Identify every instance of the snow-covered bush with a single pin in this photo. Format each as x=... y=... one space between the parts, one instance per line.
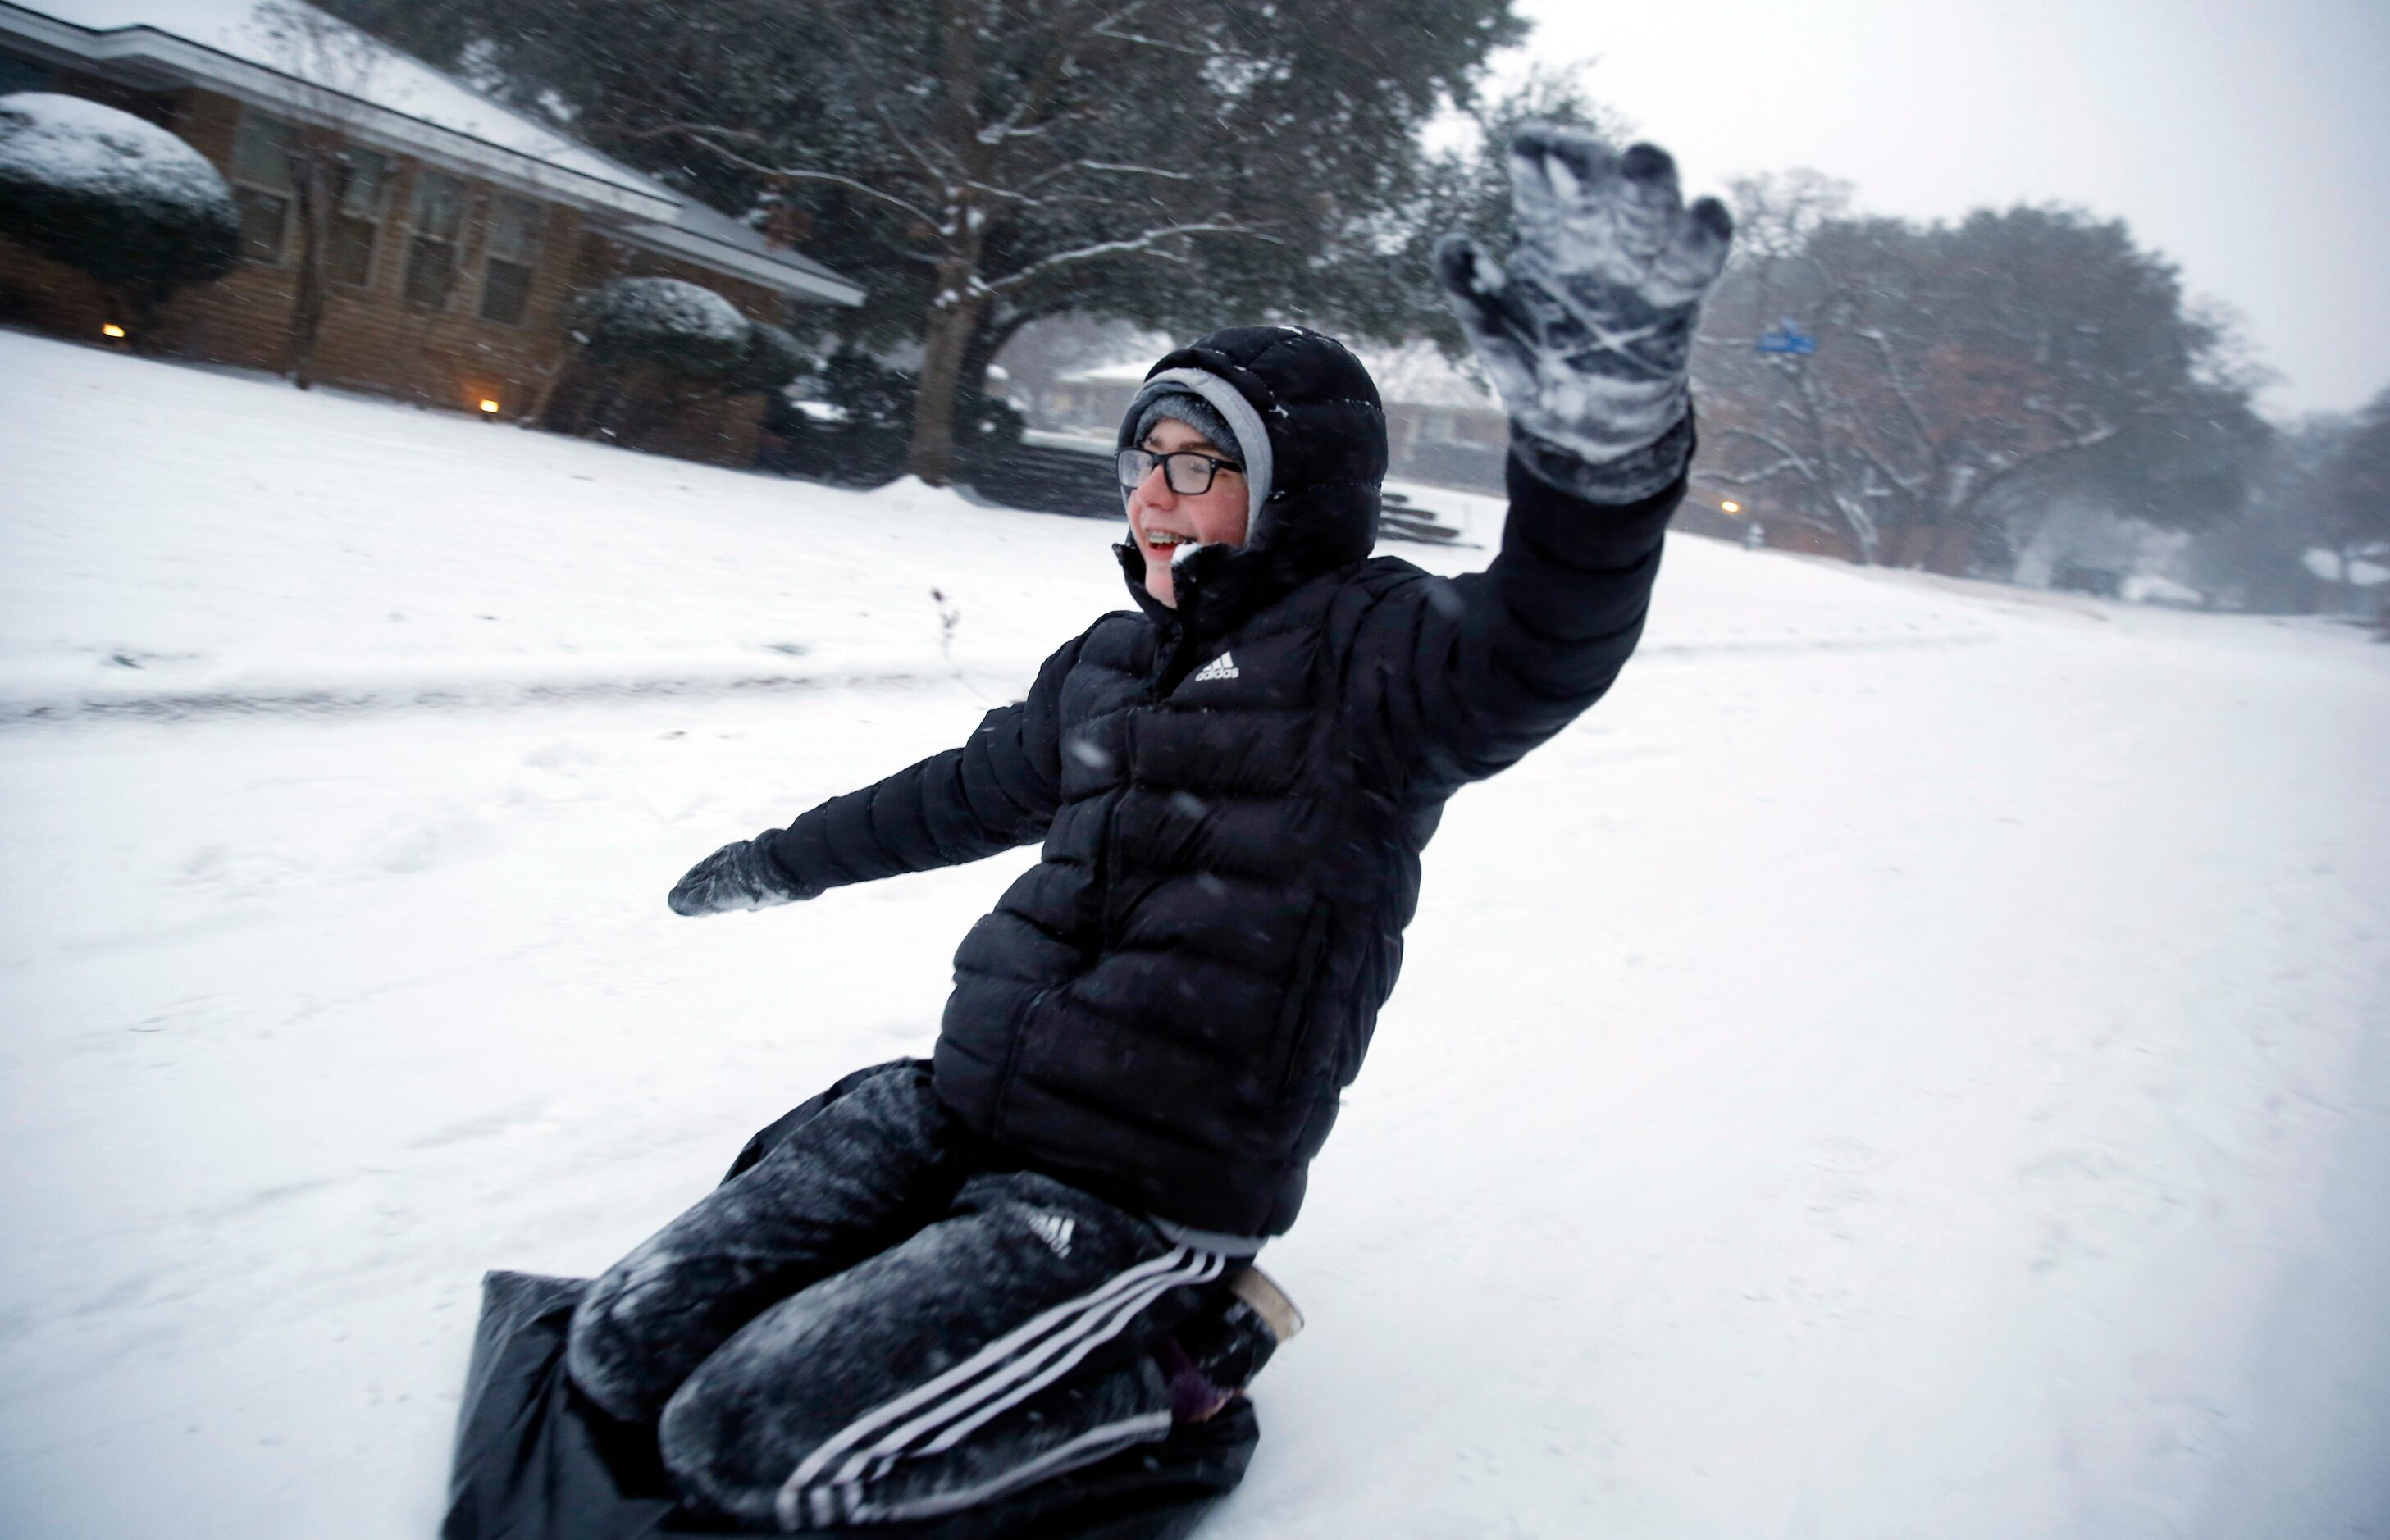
x=772 y=358
x=655 y=350
x=114 y=197
x=850 y=422
x=664 y=324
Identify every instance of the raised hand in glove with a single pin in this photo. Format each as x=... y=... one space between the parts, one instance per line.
x=1587 y=329
x=738 y=876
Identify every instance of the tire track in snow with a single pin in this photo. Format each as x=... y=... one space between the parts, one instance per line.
x=370 y=700
x=333 y=701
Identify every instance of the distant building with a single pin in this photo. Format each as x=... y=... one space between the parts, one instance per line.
x=1445 y=427
x=1442 y=425
x=462 y=235
x=2350 y=586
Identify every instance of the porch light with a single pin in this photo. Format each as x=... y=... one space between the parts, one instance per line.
x=112 y=329
x=489 y=406
x=1730 y=506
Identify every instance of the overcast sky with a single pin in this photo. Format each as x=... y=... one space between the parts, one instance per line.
x=2249 y=142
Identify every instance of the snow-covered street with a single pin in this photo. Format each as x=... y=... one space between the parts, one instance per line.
x=1914 y=1061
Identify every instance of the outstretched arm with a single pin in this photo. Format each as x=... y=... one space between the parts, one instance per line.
x=1457 y=678
x=1587 y=333
x=999 y=790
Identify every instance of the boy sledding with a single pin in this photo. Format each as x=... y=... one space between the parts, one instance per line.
x=962 y=1282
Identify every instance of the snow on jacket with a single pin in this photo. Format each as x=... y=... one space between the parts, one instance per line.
x=1233 y=796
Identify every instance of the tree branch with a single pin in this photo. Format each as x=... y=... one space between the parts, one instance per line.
x=1061 y=64
x=1130 y=247
x=1750 y=478
x=1787 y=458
x=1900 y=389
x=868 y=90
x=706 y=135
x=1111 y=167
x=2020 y=467
x=1209 y=52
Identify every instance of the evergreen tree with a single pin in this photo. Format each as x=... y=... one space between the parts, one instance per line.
x=988 y=162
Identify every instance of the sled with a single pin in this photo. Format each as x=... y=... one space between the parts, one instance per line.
x=536 y=1459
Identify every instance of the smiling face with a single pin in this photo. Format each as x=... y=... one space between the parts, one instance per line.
x=1160 y=521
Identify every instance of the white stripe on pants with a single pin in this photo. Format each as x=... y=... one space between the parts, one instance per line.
x=941 y=1413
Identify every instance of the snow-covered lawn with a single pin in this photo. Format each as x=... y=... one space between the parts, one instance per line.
x=1912 y=1063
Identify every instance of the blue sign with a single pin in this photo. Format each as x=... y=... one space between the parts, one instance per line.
x=1787 y=338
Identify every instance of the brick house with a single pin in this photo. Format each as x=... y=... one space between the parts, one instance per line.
x=461 y=232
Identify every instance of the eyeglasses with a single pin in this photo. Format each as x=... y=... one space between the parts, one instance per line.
x=1189 y=473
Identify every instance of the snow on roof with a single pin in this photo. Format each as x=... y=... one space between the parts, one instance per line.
x=2361 y=573
x=2157 y=588
x=1130 y=373
x=1409 y=374
x=1417 y=374
x=699 y=223
x=351 y=63
x=300 y=47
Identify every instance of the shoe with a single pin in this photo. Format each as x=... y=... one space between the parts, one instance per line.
x=1217 y=1353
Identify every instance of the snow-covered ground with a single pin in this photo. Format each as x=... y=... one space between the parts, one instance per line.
x=1912 y=1063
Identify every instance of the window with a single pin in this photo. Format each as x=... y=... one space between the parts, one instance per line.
x=261 y=169
x=263 y=221
x=514 y=256
x=261 y=152
x=357 y=215
x=437 y=219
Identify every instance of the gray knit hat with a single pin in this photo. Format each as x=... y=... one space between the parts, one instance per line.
x=1196 y=412
x=1212 y=407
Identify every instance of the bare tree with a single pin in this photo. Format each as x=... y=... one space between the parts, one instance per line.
x=1775 y=215
x=331 y=175
x=1933 y=384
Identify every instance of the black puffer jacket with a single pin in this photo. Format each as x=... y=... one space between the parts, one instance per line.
x=1233 y=797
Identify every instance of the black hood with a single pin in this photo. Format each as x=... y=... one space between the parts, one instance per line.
x=1326 y=434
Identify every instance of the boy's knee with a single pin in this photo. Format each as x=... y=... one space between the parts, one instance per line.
x=604 y=1359
x=630 y=1343
x=730 y=1436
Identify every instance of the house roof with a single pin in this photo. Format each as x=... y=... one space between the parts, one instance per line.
x=326 y=71
x=1415 y=374
x=708 y=236
x=1111 y=374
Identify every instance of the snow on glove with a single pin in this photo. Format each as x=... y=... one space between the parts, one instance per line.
x=1588 y=329
x=738 y=876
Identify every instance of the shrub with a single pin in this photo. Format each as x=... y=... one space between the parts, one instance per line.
x=663 y=323
x=867 y=442
x=994 y=426
x=114 y=197
x=772 y=358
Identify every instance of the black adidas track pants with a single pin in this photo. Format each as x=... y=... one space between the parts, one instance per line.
x=868 y=1326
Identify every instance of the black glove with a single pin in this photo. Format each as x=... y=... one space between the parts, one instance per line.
x=1587 y=329
x=738 y=876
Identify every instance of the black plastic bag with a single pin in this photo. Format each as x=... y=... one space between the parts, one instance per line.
x=536 y=1460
